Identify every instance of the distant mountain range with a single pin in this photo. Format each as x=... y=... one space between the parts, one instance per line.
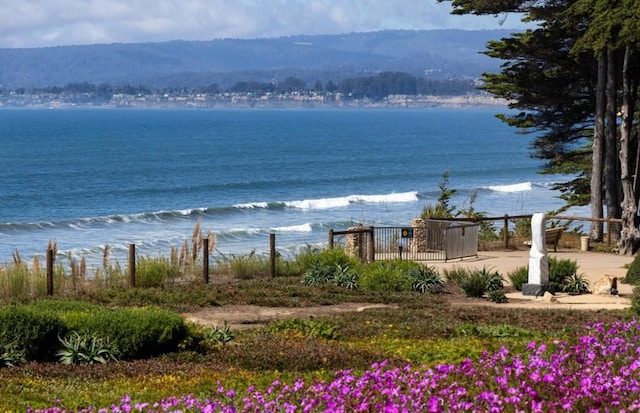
x=433 y=54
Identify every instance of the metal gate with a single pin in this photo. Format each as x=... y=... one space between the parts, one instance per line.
x=431 y=240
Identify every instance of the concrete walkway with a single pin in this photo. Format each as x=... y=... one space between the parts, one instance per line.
x=591 y=265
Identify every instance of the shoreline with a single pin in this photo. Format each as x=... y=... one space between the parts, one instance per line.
x=247 y=101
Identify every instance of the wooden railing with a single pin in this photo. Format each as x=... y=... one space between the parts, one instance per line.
x=610 y=223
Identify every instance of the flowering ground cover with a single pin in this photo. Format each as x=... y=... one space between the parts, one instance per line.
x=597 y=371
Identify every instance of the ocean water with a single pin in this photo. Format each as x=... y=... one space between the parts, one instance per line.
x=91 y=177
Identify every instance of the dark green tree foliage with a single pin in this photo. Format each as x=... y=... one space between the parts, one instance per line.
x=291 y=84
x=254 y=87
x=553 y=92
x=556 y=75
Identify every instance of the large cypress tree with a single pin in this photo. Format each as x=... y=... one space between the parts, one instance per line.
x=570 y=77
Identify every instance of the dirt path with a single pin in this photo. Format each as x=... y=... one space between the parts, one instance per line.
x=239 y=317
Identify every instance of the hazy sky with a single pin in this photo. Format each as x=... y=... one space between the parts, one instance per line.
x=35 y=23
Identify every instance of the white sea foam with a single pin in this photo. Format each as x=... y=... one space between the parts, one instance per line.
x=521 y=187
x=252 y=205
x=339 y=202
x=295 y=228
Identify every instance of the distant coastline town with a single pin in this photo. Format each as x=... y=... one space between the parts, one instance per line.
x=242 y=100
x=384 y=90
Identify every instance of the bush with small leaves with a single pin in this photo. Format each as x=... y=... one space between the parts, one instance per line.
x=497 y=296
x=205 y=339
x=635 y=301
x=31 y=329
x=633 y=272
x=560 y=270
x=474 y=285
x=494 y=279
x=518 y=277
x=305 y=328
x=337 y=256
x=391 y=276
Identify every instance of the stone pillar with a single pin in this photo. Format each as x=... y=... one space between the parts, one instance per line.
x=538 y=262
x=419 y=241
x=353 y=243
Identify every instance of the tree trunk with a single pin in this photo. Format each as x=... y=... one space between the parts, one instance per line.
x=611 y=171
x=598 y=151
x=629 y=235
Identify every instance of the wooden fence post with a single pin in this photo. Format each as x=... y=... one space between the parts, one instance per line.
x=331 y=239
x=50 y=260
x=132 y=265
x=609 y=231
x=506 y=231
x=205 y=260
x=272 y=255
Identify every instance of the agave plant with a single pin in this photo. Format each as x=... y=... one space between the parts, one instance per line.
x=12 y=356
x=86 y=348
x=345 y=276
x=576 y=284
x=426 y=280
x=318 y=274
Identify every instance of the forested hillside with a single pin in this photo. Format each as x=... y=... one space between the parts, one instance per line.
x=436 y=54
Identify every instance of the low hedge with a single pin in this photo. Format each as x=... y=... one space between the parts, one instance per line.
x=137 y=332
x=31 y=330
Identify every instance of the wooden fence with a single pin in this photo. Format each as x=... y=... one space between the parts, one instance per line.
x=50 y=262
x=613 y=225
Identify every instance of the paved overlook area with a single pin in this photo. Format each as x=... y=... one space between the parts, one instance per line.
x=592 y=265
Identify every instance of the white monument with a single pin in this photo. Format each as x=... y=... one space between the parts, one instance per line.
x=538 y=263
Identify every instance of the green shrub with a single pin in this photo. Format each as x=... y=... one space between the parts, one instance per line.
x=391 y=276
x=518 y=277
x=494 y=282
x=426 y=280
x=29 y=329
x=154 y=272
x=337 y=256
x=474 y=285
x=497 y=296
x=305 y=328
x=288 y=268
x=457 y=274
x=560 y=270
x=332 y=266
x=633 y=272
x=306 y=256
x=635 y=301
x=138 y=332
x=205 y=339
